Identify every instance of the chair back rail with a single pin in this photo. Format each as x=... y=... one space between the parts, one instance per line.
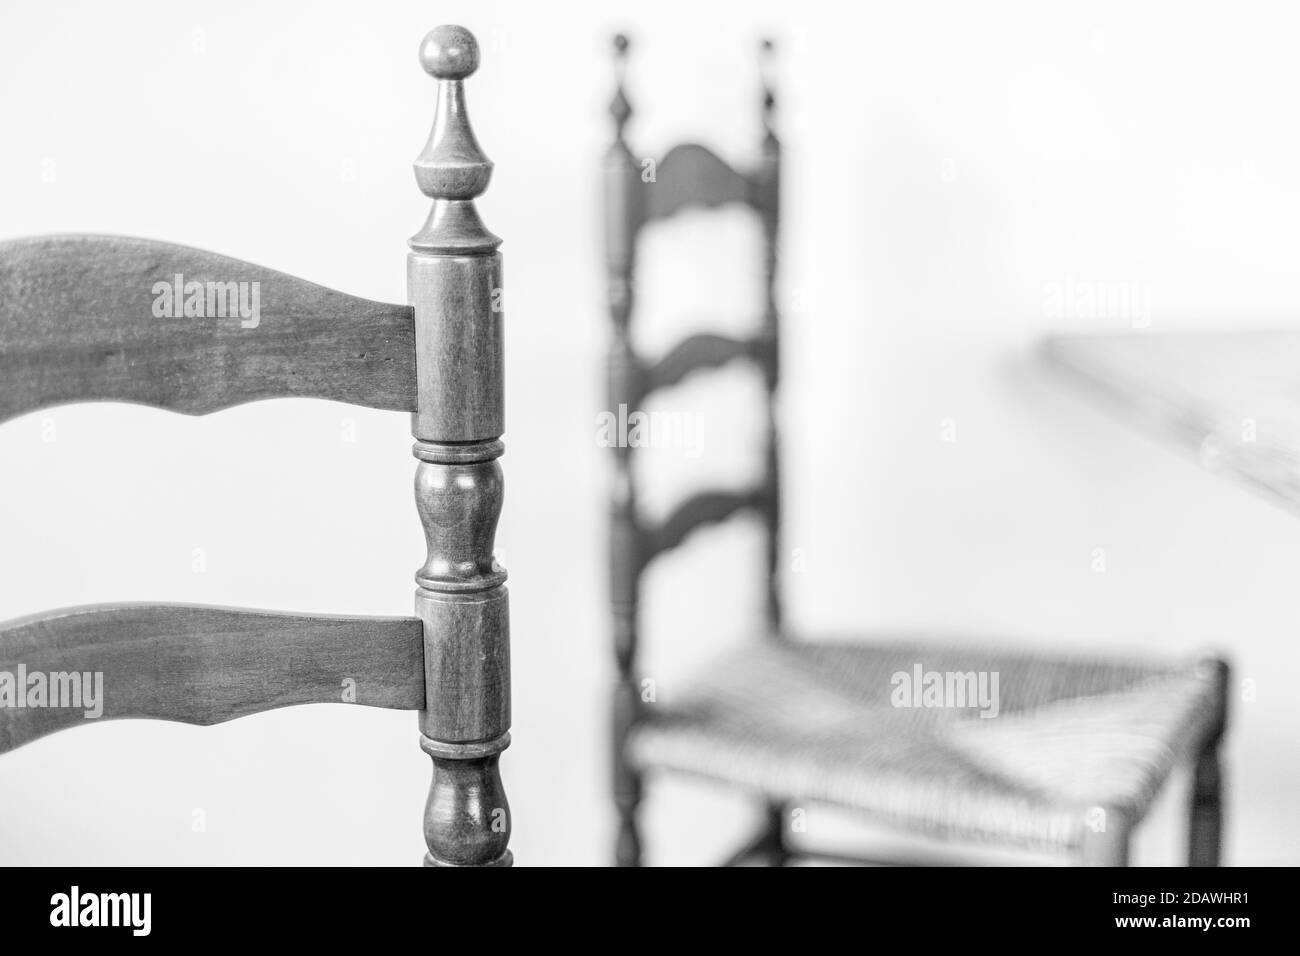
x=109 y=318
x=698 y=511
x=197 y=665
x=693 y=175
x=699 y=352
x=689 y=175
x=97 y=318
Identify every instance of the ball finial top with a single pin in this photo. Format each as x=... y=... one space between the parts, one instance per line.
x=449 y=53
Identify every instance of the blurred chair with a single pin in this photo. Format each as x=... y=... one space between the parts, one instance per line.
x=892 y=728
x=85 y=318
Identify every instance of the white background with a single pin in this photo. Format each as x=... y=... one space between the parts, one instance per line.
x=949 y=167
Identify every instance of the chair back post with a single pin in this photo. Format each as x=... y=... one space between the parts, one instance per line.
x=454 y=287
x=623 y=216
x=687 y=175
x=767 y=190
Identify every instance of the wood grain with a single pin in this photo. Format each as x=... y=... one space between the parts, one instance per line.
x=78 y=323
x=454 y=285
x=204 y=665
x=461 y=364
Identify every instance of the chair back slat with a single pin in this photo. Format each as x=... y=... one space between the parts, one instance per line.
x=108 y=318
x=197 y=665
x=693 y=175
x=698 y=511
x=699 y=352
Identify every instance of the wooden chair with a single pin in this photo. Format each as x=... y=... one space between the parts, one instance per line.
x=103 y=318
x=1081 y=745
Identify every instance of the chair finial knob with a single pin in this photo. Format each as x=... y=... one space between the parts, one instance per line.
x=449 y=52
x=766 y=53
x=452 y=168
x=619 y=107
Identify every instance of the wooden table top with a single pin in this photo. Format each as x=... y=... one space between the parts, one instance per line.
x=1232 y=398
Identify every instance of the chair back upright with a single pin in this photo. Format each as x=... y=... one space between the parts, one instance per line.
x=688 y=175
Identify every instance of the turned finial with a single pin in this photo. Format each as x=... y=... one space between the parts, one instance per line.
x=452 y=165
x=452 y=169
x=620 y=108
x=766 y=53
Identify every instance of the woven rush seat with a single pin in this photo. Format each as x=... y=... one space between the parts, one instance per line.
x=1072 y=738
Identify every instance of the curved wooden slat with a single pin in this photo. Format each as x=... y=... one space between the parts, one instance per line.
x=698 y=352
x=694 y=175
x=707 y=508
x=86 y=318
x=200 y=665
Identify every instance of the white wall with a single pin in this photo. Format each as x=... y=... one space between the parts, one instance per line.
x=949 y=167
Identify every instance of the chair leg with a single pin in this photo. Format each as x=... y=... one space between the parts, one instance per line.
x=1205 y=824
x=627 y=778
x=1205 y=810
x=778 y=850
x=1106 y=837
x=769 y=847
x=627 y=845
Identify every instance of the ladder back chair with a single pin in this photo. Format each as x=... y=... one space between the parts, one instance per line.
x=81 y=320
x=1080 y=745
